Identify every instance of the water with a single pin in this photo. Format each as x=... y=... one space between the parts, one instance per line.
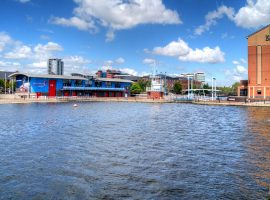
x=134 y=151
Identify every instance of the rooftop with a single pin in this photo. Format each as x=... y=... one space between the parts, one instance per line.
x=48 y=76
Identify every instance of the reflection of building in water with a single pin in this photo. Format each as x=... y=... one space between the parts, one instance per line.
x=258 y=144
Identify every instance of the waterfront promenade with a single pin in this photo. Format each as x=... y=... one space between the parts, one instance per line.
x=10 y=99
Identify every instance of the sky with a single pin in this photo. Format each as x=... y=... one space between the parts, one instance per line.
x=175 y=36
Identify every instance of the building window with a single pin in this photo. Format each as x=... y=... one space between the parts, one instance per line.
x=97 y=84
x=108 y=84
x=118 y=85
x=259 y=92
x=78 y=83
x=67 y=82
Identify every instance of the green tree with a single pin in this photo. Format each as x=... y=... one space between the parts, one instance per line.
x=206 y=86
x=2 y=83
x=235 y=88
x=135 y=88
x=143 y=84
x=177 y=88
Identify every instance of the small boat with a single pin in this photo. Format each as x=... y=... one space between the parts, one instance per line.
x=75 y=105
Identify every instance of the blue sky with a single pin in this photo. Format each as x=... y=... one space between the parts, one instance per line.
x=180 y=36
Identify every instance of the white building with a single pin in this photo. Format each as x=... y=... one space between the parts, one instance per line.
x=55 y=66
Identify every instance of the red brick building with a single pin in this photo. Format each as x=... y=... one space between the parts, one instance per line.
x=259 y=63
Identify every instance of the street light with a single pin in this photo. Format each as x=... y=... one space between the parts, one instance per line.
x=214 y=88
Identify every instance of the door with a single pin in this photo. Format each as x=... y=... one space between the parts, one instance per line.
x=52 y=88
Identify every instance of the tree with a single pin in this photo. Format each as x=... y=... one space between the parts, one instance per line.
x=143 y=84
x=235 y=88
x=177 y=88
x=206 y=86
x=135 y=88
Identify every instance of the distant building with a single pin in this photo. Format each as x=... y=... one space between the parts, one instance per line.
x=5 y=75
x=55 y=66
x=198 y=76
x=110 y=73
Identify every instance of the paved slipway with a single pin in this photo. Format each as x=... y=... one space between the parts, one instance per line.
x=123 y=99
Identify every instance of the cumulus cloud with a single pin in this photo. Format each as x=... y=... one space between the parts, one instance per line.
x=20 y=52
x=107 y=64
x=120 y=60
x=118 y=15
x=76 y=64
x=174 y=48
x=181 y=50
x=15 y=55
x=76 y=22
x=235 y=62
x=205 y=55
x=254 y=14
x=10 y=66
x=211 y=18
x=129 y=71
x=5 y=40
x=240 y=69
x=238 y=72
x=149 y=61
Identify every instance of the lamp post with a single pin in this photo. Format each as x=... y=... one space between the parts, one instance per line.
x=165 y=90
x=188 y=86
x=28 y=87
x=212 y=88
x=215 y=88
x=5 y=83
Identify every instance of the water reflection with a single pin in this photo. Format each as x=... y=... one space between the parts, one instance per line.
x=258 y=145
x=134 y=151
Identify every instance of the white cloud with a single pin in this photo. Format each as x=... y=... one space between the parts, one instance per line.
x=149 y=61
x=108 y=63
x=5 y=39
x=43 y=52
x=20 y=52
x=205 y=55
x=10 y=66
x=174 y=48
x=120 y=60
x=49 y=47
x=181 y=50
x=45 y=37
x=237 y=73
x=254 y=14
x=76 y=22
x=211 y=18
x=76 y=64
x=235 y=62
x=240 y=70
x=41 y=64
x=31 y=57
x=24 y=1
x=118 y=15
x=243 y=60
x=237 y=78
x=129 y=71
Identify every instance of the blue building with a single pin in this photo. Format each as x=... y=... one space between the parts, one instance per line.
x=59 y=85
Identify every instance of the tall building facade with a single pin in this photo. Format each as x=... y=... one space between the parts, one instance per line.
x=55 y=66
x=259 y=63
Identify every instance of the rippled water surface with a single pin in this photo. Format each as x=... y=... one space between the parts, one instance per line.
x=134 y=151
